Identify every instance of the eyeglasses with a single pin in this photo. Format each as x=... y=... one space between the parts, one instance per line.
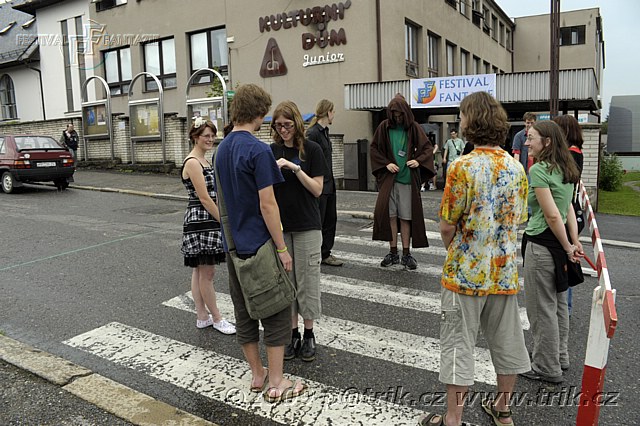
x=280 y=126
x=530 y=138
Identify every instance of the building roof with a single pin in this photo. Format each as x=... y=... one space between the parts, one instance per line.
x=18 y=35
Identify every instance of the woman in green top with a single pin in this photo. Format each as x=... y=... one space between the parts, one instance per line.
x=549 y=243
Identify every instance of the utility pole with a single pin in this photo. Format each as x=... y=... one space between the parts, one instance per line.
x=554 y=60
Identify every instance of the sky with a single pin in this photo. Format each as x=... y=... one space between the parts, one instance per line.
x=621 y=34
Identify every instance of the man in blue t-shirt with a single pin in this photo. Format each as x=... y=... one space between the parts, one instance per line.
x=247 y=171
x=519 y=150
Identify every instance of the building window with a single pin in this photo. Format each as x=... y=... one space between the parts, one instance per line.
x=487 y=67
x=411 y=49
x=570 y=36
x=160 y=60
x=476 y=15
x=494 y=27
x=451 y=54
x=451 y=3
x=464 y=59
x=117 y=66
x=434 y=42
x=209 y=50
x=485 y=22
x=494 y=70
x=8 y=107
x=501 y=34
x=476 y=65
x=463 y=7
x=108 y=4
x=508 y=37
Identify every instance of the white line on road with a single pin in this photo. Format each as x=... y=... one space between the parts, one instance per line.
x=226 y=379
x=394 y=346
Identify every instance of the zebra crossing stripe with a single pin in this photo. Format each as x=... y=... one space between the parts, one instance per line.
x=367 y=241
x=401 y=297
x=394 y=346
x=226 y=379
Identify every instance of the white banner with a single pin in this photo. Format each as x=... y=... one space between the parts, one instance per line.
x=449 y=91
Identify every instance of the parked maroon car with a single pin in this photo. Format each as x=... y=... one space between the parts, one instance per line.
x=31 y=158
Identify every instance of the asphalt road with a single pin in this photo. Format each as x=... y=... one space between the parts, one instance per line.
x=84 y=262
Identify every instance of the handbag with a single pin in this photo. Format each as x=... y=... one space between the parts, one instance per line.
x=265 y=285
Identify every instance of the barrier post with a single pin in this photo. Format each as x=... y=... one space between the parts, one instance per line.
x=602 y=325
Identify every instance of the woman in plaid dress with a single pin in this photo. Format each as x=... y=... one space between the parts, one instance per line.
x=201 y=237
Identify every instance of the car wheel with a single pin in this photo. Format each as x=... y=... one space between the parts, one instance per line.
x=7 y=182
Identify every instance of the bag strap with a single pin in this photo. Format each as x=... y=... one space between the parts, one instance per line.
x=222 y=208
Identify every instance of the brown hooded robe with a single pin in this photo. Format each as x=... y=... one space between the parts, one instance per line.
x=419 y=148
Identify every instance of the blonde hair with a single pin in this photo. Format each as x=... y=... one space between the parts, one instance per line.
x=322 y=110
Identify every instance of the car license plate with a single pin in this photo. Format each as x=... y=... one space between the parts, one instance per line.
x=47 y=164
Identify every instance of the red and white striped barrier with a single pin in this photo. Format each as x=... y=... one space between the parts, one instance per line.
x=602 y=325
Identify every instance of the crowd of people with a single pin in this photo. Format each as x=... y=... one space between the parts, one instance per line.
x=286 y=192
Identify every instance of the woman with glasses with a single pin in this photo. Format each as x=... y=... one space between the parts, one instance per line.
x=201 y=238
x=302 y=165
x=550 y=242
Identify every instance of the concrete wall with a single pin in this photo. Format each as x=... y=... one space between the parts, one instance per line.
x=26 y=85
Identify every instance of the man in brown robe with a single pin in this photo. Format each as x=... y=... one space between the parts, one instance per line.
x=401 y=158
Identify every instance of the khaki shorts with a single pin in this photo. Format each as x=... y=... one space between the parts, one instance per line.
x=497 y=315
x=400 y=201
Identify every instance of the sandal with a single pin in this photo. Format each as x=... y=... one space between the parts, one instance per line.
x=265 y=381
x=285 y=394
x=427 y=419
x=495 y=414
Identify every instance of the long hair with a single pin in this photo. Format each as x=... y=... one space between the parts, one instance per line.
x=486 y=119
x=322 y=110
x=571 y=128
x=290 y=111
x=556 y=154
x=194 y=131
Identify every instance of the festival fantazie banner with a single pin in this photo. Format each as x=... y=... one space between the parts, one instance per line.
x=449 y=91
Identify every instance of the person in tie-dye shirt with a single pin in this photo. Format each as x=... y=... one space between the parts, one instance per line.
x=484 y=202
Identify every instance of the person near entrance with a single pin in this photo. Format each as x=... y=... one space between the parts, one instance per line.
x=453 y=149
x=70 y=139
x=400 y=154
x=519 y=149
x=318 y=132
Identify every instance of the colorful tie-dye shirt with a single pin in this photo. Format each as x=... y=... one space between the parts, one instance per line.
x=486 y=198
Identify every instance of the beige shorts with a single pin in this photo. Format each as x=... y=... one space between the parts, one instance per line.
x=497 y=315
x=400 y=201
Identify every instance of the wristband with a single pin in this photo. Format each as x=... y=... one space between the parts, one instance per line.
x=283 y=250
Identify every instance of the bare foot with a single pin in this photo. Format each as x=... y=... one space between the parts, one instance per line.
x=284 y=391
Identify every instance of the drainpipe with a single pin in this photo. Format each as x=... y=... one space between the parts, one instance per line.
x=379 y=40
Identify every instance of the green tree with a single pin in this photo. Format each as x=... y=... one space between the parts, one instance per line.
x=611 y=173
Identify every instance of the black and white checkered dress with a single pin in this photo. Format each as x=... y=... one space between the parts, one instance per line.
x=201 y=236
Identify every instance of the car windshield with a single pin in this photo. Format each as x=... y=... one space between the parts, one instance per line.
x=36 y=142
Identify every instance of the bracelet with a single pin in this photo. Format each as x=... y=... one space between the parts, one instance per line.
x=283 y=250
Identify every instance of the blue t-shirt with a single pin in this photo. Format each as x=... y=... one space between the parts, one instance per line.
x=245 y=166
x=518 y=144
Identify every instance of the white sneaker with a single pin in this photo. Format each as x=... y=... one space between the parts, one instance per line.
x=432 y=187
x=224 y=327
x=204 y=323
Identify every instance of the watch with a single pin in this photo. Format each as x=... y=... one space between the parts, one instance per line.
x=296 y=170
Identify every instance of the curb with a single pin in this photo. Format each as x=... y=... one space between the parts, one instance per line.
x=119 y=400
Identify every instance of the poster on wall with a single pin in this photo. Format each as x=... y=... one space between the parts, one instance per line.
x=449 y=91
x=211 y=110
x=145 y=120
x=94 y=120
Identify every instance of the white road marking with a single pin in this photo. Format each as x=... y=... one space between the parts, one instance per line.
x=226 y=379
x=394 y=346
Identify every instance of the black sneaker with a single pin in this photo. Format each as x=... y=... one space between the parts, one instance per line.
x=390 y=259
x=409 y=262
x=292 y=349
x=308 y=349
x=534 y=375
